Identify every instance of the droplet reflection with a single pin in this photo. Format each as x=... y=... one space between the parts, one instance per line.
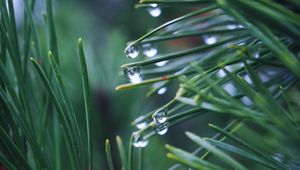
x=161 y=128
x=149 y=50
x=139 y=141
x=133 y=74
x=132 y=51
x=154 y=10
x=160 y=116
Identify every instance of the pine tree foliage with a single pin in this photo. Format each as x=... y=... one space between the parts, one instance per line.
x=247 y=68
x=38 y=122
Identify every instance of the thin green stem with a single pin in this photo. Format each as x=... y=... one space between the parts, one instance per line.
x=130 y=150
x=87 y=100
x=190 y=34
x=51 y=28
x=108 y=155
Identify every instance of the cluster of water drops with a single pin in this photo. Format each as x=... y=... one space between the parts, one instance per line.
x=132 y=51
x=161 y=126
x=134 y=75
x=149 y=50
x=161 y=123
x=139 y=140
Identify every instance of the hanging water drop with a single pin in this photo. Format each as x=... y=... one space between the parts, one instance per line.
x=132 y=51
x=149 y=50
x=162 y=90
x=154 y=10
x=160 y=116
x=139 y=141
x=161 y=63
x=141 y=125
x=210 y=39
x=133 y=74
x=161 y=128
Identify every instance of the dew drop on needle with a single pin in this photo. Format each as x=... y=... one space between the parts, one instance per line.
x=160 y=116
x=161 y=128
x=132 y=51
x=139 y=141
x=133 y=74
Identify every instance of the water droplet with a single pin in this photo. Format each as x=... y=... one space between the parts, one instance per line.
x=160 y=116
x=133 y=74
x=158 y=84
x=132 y=51
x=221 y=73
x=210 y=39
x=161 y=128
x=162 y=90
x=240 y=26
x=141 y=125
x=154 y=10
x=161 y=63
x=149 y=50
x=232 y=27
x=256 y=55
x=153 y=5
x=139 y=141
